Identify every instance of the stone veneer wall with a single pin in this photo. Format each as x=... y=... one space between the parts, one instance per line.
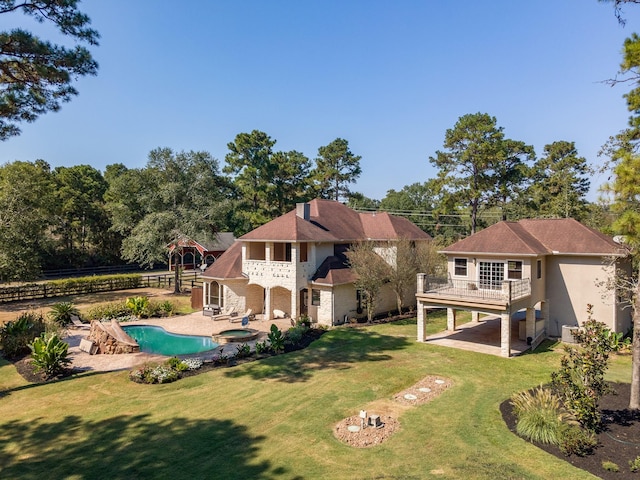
x=111 y=339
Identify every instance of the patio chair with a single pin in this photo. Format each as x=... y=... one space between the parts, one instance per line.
x=224 y=314
x=77 y=323
x=248 y=314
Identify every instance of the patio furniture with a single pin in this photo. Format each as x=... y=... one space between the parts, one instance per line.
x=237 y=318
x=77 y=323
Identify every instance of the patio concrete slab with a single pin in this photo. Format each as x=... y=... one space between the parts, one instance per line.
x=482 y=337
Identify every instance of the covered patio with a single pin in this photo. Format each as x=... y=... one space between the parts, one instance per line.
x=482 y=336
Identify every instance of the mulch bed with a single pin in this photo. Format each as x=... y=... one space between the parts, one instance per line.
x=619 y=442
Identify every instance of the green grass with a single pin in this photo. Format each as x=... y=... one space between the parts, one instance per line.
x=273 y=419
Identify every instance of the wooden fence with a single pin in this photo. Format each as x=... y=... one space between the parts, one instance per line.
x=85 y=285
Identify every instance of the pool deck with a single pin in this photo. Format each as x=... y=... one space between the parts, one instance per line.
x=192 y=324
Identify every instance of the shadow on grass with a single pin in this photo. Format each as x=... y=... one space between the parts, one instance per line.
x=131 y=447
x=337 y=350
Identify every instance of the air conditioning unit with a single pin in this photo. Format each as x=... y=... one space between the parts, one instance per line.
x=567 y=335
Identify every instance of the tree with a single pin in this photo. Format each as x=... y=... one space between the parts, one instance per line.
x=290 y=181
x=560 y=182
x=183 y=195
x=403 y=271
x=512 y=174
x=371 y=271
x=626 y=198
x=81 y=219
x=251 y=166
x=35 y=75
x=475 y=149
x=336 y=168
x=26 y=209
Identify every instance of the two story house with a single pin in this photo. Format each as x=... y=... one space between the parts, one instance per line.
x=296 y=264
x=550 y=269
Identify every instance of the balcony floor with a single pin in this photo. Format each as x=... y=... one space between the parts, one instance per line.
x=481 y=337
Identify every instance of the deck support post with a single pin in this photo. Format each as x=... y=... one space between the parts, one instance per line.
x=505 y=334
x=475 y=316
x=451 y=319
x=422 y=316
x=530 y=323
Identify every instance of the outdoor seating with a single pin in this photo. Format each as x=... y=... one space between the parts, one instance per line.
x=237 y=318
x=77 y=323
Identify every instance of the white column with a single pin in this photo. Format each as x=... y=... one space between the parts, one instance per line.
x=422 y=333
x=451 y=319
x=505 y=329
x=530 y=323
x=267 y=303
x=475 y=316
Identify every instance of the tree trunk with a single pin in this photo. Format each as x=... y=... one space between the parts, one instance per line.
x=176 y=274
x=634 y=400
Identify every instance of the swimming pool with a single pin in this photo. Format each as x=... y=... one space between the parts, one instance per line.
x=153 y=339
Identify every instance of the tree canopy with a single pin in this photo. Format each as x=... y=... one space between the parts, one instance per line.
x=336 y=168
x=36 y=76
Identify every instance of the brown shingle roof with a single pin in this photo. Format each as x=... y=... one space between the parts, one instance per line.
x=332 y=221
x=538 y=237
x=229 y=265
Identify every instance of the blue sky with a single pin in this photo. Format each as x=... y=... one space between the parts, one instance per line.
x=389 y=76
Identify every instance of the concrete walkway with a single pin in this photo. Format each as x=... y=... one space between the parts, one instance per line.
x=192 y=324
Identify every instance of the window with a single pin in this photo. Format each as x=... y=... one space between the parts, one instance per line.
x=282 y=252
x=304 y=256
x=539 y=268
x=460 y=268
x=514 y=270
x=256 y=251
x=315 y=297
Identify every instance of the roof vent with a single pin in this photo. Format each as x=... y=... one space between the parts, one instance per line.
x=303 y=210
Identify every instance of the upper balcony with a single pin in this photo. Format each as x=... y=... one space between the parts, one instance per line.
x=467 y=293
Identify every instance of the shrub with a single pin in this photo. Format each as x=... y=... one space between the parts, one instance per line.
x=177 y=364
x=167 y=308
x=243 y=350
x=575 y=440
x=193 y=363
x=294 y=335
x=138 y=306
x=540 y=415
x=49 y=354
x=107 y=311
x=304 y=320
x=580 y=381
x=610 y=466
x=276 y=339
x=16 y=335
x=634 y=465
x=262 y=347
x=61 y=313
x=154 y=373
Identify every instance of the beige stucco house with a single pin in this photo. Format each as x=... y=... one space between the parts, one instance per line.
x=554 y=267
x=296 y=264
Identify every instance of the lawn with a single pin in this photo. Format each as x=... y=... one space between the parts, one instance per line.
x=273 y=419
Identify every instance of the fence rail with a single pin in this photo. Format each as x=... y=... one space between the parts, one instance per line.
x=62 y=288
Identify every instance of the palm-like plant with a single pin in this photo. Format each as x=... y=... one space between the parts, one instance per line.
x=49 y=354
x=61 y=313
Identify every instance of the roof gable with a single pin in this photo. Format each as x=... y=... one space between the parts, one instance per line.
x=229 y=265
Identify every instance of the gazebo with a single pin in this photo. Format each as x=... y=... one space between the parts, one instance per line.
x=194 y=254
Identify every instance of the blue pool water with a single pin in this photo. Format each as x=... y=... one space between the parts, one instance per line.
x=154 y=339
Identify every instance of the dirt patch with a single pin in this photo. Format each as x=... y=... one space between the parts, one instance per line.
x=350 y=430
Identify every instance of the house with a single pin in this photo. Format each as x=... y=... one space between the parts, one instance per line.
x=548 y=268
x=193 y=254
x=296 y=264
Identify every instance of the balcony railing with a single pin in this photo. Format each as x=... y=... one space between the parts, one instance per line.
x=505 y=291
